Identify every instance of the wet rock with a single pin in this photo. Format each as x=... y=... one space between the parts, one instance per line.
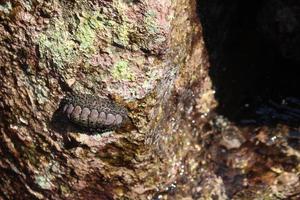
x=286 y=185
x=232 y=138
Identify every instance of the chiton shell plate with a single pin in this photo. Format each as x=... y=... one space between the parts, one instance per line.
x=92 y=112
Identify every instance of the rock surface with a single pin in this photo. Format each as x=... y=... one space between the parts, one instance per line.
x=150 y=58
x=147 y=56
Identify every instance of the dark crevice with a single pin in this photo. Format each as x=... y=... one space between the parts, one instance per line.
x=254 y=50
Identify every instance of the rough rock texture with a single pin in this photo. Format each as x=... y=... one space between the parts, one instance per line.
x=150 y=58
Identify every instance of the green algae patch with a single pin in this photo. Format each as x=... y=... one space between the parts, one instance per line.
x=6 y=7
x=57 y=43
x=43 y=182
x=122 y=33
x=64 y=189
x=63 y=45
x=123 y=27
x=86 y=31
x=150 y=22
x=121 y=71
x=79 y=36
x=153 y=29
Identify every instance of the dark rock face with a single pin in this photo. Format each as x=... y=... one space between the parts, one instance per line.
x=279 y=23
x=94 y=113
x=254 y=53
x=253 y=48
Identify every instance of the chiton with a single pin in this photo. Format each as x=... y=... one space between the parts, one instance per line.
x=94 y=113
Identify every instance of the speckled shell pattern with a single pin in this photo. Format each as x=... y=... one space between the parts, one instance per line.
x=94 y=113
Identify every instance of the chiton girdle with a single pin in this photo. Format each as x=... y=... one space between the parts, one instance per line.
x=94 y=113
